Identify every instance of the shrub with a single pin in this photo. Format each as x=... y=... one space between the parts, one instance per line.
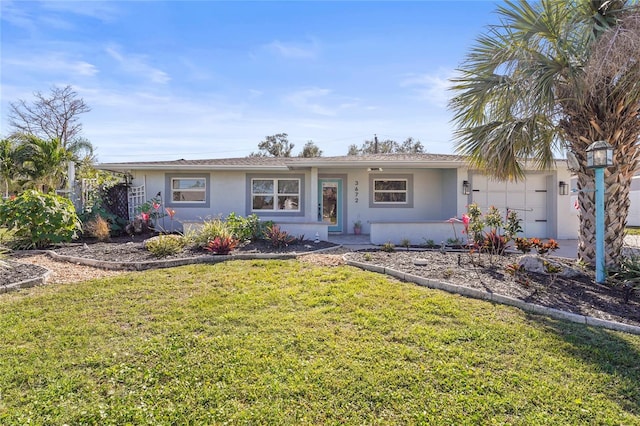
x=429 y=243
x=244 y=228
x=388 y=247
x=115 y=223
x=627 y=275
x=494 y=243
x=151 y=210
x=549 y=246
x=277 y=237
x=222 y=245
x=524 y=244
x=98 y=228
x=6 y=237
x=211 y=229
x=39 y=220
x=165 y=245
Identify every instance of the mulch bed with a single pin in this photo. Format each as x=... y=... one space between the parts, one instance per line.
x=127 y=249
x=580 y=294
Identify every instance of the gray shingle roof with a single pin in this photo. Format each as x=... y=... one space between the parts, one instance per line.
x=290 y=162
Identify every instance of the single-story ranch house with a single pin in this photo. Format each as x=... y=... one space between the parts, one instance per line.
x=394 y=196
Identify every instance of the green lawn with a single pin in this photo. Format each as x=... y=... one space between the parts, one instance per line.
x=633 y=231
x=282 y=342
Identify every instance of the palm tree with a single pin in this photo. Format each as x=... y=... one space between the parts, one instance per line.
x=44 y=162
x=556 y=75
x=9 y=164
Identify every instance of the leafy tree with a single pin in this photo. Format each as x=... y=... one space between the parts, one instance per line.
x=410 y=146
x=556 y=75
x=310 y=149
x=45 y=162
x=9 y=164
x=55 y=116
x=277 y=145
x=387 y=146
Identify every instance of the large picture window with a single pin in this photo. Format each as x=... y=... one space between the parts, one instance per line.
x=275 y=194
x=390 y=191
x=188 y=189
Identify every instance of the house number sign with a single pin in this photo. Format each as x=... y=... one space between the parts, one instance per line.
x=356 y=190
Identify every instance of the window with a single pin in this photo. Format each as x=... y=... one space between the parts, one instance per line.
x=275 y=194
x=188 y=189
x=390 y=191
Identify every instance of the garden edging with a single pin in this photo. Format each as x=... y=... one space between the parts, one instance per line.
x=170 y=263
x=31 y=282
x=496 y=298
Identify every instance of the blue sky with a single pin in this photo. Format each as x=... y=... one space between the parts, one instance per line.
x=211 y=79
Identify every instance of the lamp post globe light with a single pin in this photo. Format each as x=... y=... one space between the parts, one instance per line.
x=599 y=157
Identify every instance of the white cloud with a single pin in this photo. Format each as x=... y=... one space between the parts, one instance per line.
x=101 y=10
x=58 y=62
x=294 y=50
x=13 y=14
x=320 y=101
x=433 y=88
x=137 y=65
x=304 y=100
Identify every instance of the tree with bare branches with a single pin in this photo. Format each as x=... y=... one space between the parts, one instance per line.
x=48 y=117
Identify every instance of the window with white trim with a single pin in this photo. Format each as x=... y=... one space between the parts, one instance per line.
x=188 y=189
x=390 y=191
x=275 y=194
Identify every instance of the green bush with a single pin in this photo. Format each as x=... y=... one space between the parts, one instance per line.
x=627 y=275
x=39 y=220
x=165 y=245
x=388 y=247
x=211 y=229
x=6 y=237
x=116 y=224
x=244 y=228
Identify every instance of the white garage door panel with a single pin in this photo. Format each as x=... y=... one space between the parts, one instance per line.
x=528 y=198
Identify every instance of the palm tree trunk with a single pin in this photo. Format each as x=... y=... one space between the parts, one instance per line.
x=617 y=185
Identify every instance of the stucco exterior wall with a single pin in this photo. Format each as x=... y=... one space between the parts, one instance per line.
x=435 y=196
x=566 y=215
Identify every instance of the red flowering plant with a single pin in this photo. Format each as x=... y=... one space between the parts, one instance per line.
x=489 y=232
x=152 y=208
x=222 y=245
x=171 y=213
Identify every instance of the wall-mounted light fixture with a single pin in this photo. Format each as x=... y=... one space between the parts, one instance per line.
x=563 y=188
x=466 y=188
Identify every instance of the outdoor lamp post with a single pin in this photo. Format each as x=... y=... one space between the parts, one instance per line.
x=599 y=157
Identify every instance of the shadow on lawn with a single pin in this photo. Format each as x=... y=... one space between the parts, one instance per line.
x=620 y=360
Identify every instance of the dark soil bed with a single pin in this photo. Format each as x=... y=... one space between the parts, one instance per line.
x=127 y=249
x=14 y=272
x=579 y=295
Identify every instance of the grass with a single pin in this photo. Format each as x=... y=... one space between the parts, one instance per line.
x=282 y=342
x=633 y=230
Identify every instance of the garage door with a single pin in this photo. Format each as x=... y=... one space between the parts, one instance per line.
x=528 y=198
